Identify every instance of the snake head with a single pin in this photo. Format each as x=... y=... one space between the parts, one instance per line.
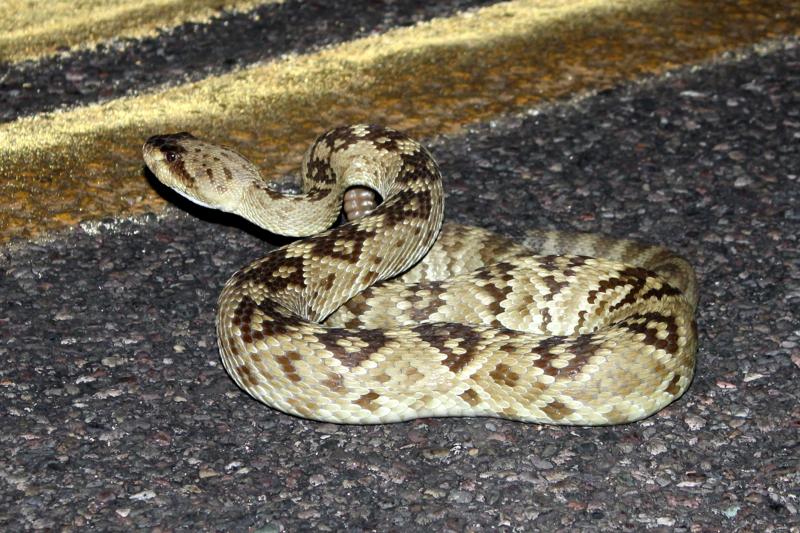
x=205 y=173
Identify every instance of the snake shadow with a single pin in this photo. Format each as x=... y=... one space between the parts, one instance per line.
x=213 y=216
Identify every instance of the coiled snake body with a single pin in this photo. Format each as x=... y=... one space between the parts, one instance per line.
x=468 y=323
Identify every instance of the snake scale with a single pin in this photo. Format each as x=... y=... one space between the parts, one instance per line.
x=392 y=316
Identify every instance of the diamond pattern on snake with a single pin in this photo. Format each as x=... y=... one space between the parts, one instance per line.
x=393 y=315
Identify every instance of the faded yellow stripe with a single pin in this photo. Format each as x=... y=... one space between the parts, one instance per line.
x=60 y=168
x=31 y=29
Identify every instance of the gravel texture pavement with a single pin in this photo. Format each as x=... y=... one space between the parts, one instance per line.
x=117 y=413
x=193 y=51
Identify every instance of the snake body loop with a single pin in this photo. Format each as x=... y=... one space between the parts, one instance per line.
x=391 y=316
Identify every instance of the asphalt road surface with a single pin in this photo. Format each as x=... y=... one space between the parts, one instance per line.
x=117 y=413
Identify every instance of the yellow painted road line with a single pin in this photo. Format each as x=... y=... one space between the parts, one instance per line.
x=60 y=168
x=29 y=30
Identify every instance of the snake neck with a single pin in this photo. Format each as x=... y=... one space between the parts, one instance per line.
x=292 y=215
x=318 y=207
x=381 y=244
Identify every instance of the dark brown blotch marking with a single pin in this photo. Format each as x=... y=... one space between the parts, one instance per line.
x=245 y=375
x=573 y=263
x=502 y=271
x=468 y=340
x=357 y=306
x=503 y=375
x=580 y=347
x=557 y=410
x=550 y=262
x=581 y=320
x=673 y=388
x=638 y=324
x=325 y=245
x=344 y=137
x=546 y=319
x=287 y=365
x=319 y=171
x=471 y=397
x=418 y=166
x=367 y=401
x=280 y=321
x=637 y=277
x=265 y=273
x=386 y=138
x=371 y=277
x=553 y=286
x=664 y=290
x=398 y=207
x=577 y=261
x=547 y=344
x=302 y=408
x=435 y=291
x=334 y=383
x=316 y=193
x=231 y=345
x=374 y=339
x=668 y=265
x=339 y=138
x=634 y=276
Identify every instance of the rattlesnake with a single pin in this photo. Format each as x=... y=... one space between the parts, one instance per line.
x=468 y=323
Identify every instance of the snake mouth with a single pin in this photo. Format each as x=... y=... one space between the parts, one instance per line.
x=193 y=199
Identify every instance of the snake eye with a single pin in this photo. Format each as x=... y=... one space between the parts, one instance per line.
x=171 y=157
